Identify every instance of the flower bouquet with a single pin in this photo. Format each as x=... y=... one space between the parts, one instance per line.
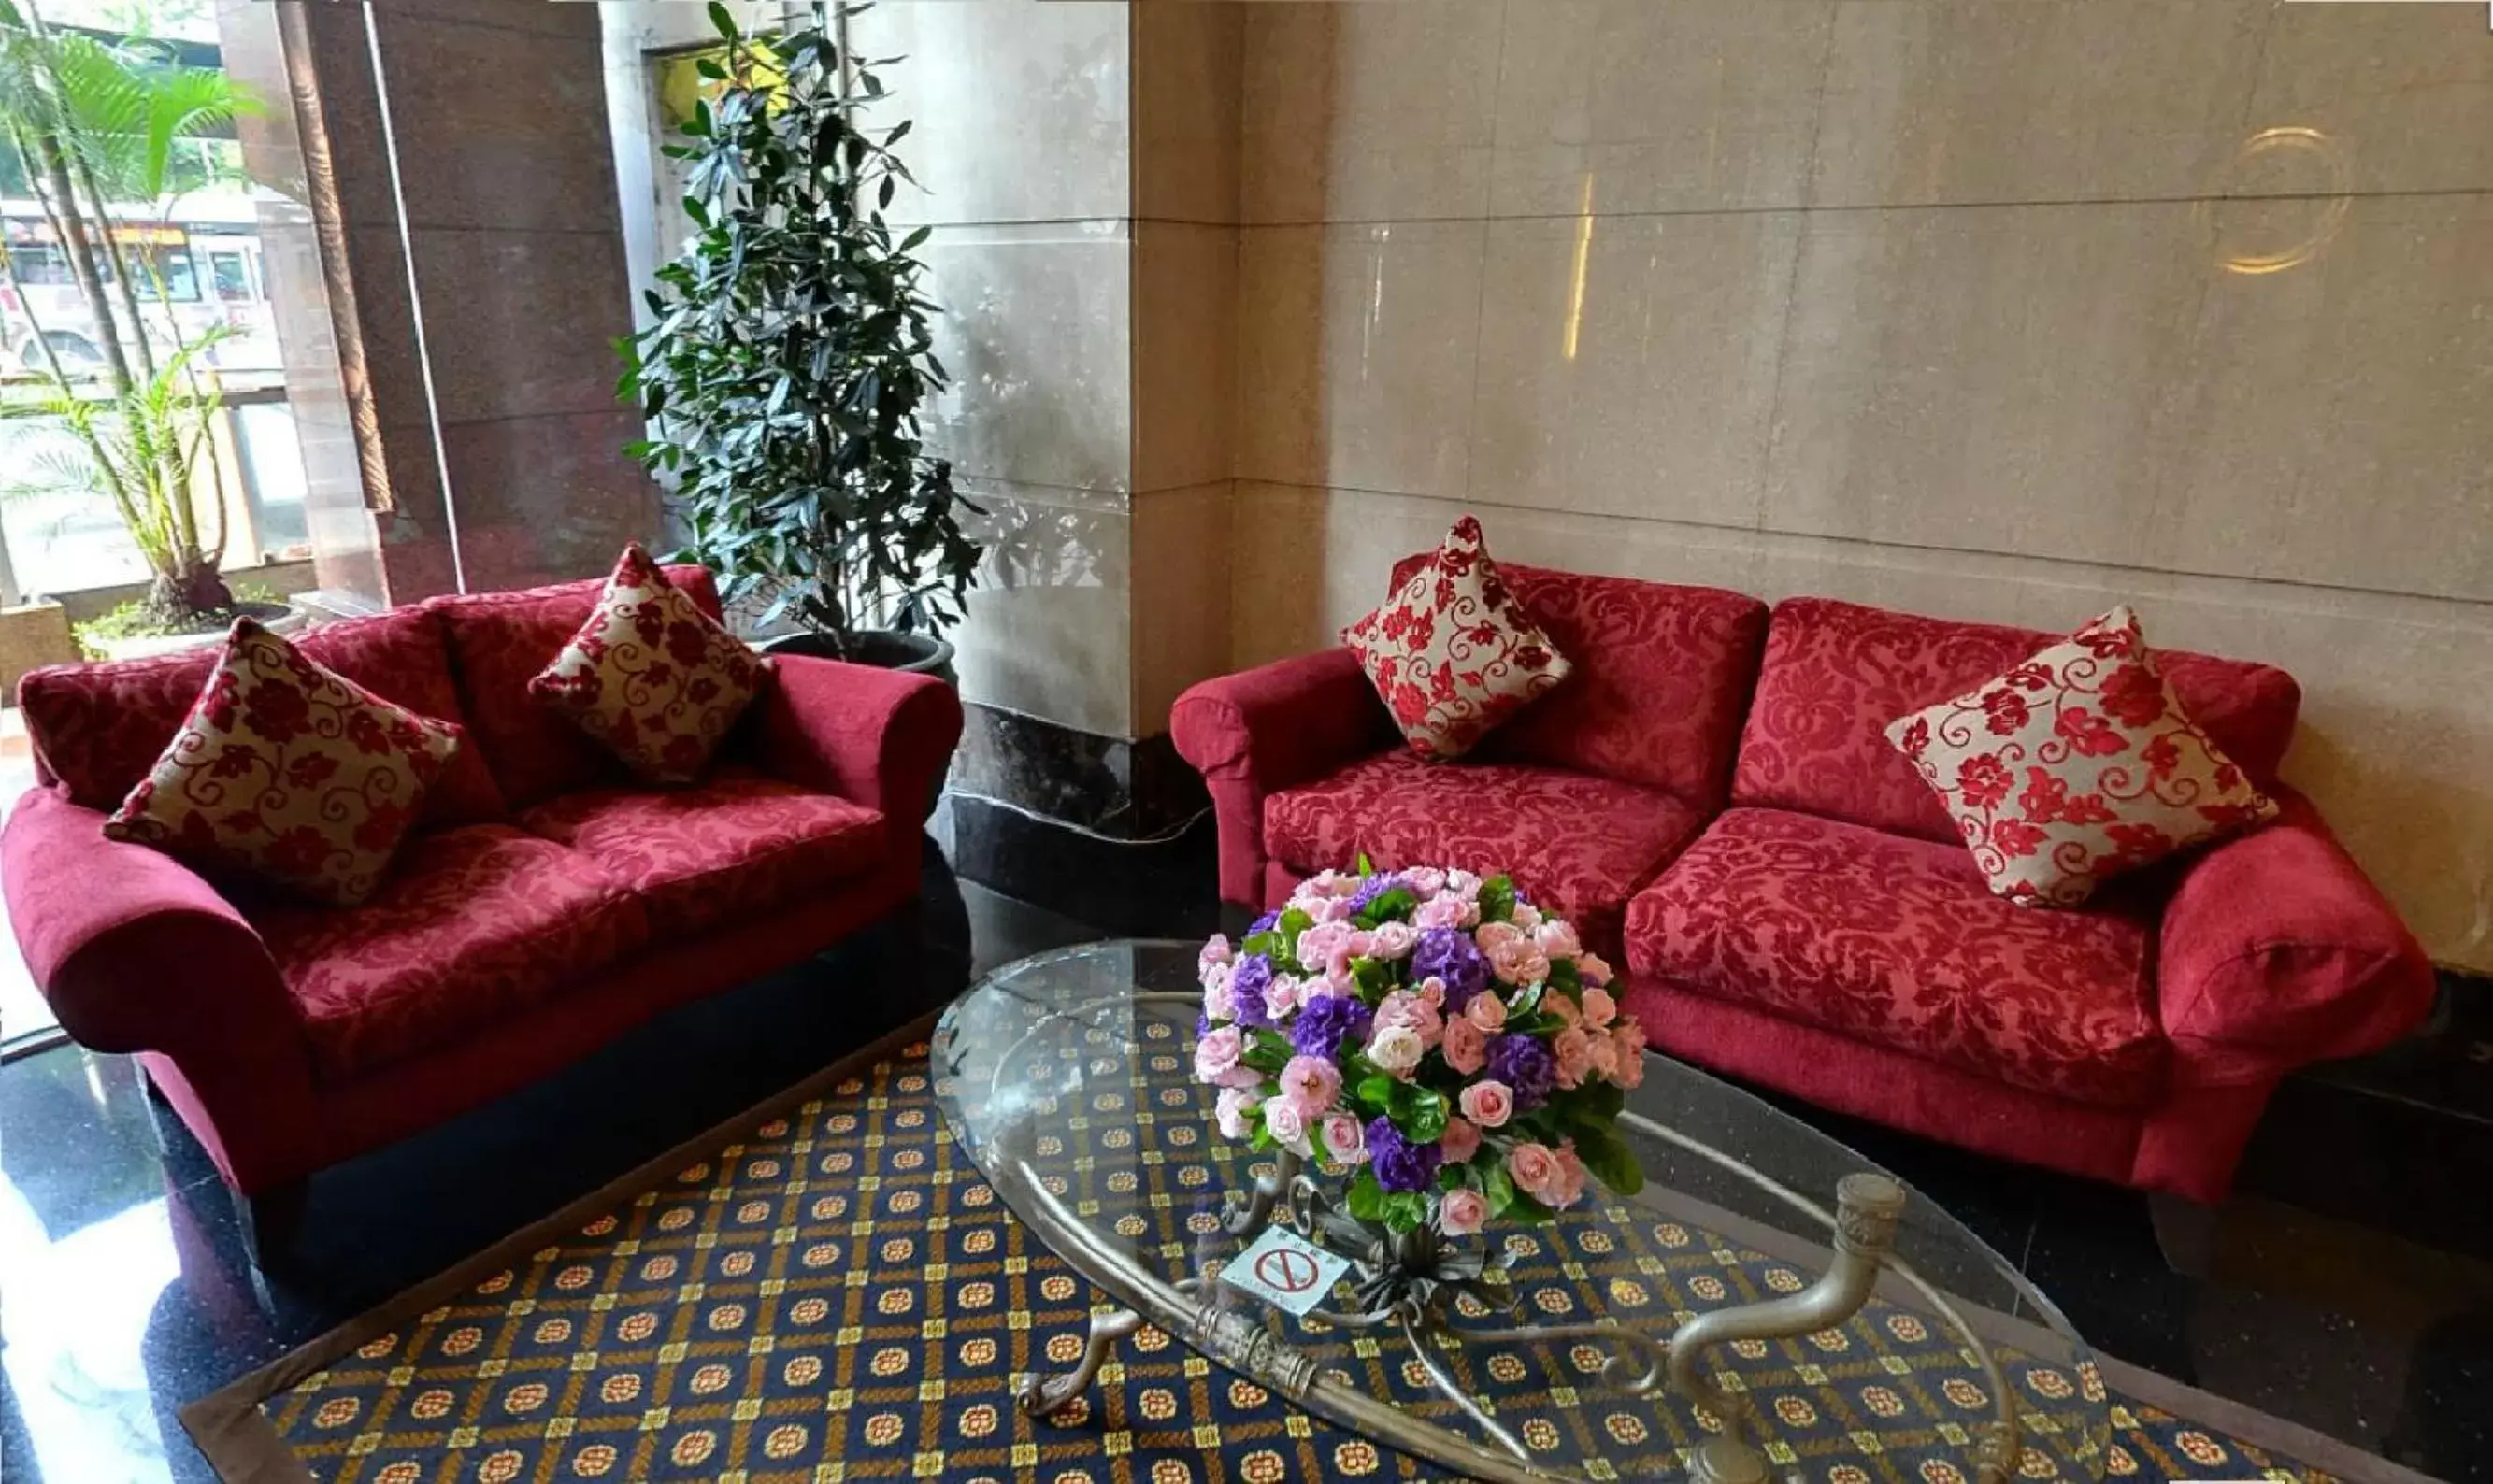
x=1430 y=1032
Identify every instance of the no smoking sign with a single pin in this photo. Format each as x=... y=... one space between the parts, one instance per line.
x=1282 y=1269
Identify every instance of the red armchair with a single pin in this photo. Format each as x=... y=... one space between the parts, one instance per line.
x=546 y=905
x=1792 y=902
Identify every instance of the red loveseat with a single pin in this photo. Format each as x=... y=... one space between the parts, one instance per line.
x=545 y=904
x=1710 y=797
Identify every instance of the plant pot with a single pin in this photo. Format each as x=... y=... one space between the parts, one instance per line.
x=274 y=618
x=916 y=654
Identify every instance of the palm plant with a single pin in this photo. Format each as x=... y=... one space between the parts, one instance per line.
x=94 y=126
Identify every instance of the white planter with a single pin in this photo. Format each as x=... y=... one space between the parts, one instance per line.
x=275 y=617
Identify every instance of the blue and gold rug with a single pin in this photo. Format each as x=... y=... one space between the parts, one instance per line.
x=836 y=1295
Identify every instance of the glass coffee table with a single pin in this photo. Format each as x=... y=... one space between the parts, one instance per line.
x=1770 y=1305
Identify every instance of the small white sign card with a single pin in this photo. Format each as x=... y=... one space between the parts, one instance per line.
x=1283 y=1268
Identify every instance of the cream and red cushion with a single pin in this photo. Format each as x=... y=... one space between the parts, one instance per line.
x=1452 y=653
x=2075 y=766
x=289 y=771
x=653 y=679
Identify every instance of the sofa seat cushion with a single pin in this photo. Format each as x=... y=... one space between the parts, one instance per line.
x=1899 y=943
x=474 y=925
x=1577 y=844
x=735 y=847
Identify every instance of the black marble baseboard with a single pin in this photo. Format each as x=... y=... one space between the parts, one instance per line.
x=1137 y=790
x=1158 y=888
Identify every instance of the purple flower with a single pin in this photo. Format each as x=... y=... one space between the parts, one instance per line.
x=1325 y=1021
x=1451 y=955
x=1264 y=923
x=1524 y=1064
x=1247 y=986
x=1370 y=889
x=1399 y=1162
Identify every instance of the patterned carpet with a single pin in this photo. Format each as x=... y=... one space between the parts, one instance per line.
x=839 y=1296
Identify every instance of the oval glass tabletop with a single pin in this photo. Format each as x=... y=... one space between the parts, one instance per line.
x=1631 y=1325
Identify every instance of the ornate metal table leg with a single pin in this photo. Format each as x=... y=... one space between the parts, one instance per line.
x=1247 y=1217
x=1867 y=1207
x=1038 y=1396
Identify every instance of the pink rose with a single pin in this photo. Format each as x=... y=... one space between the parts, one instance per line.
x=1217 y=1055
x=1494 y=935
x=1405 y=1008
x=1439 y=913
x=1463 y=884
x=1570 y=1187
x=1425 y=883
x=1461 y=1140
x=1574 y=1052
x=1557 y=938
x=1592 y=969
x=1599 y=1009
x=1524 y=915
x=1536 y=1172
x=1230 y=1112
x=1311 y=1085
x=1392 y=940
x=1603 y=1059
x=1361 y=943
x=1568 y=1013
x=1518 y=961
x=1395 y=1050
x=1324 y=947
x=1626 y=1047
x=1461 y=1212
x=1335 y=985
x=1432 y=989
x=1489 y=1103
x=1465 y=1047
x=1288 y=1126
x=1284 y=994
x=1215 y=950
x=1486 y=1013
x=1328 y=910
x=1345 y=1138
x=1217 y=1001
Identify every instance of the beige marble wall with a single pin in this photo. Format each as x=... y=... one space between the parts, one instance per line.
x=2005 y=311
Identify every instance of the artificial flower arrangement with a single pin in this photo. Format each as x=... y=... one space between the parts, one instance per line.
x=1434 y=1033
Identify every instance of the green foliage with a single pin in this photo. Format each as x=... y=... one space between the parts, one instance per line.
x=1497 y=899
x=791 y=358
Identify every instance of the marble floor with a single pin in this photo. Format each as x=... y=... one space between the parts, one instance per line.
x=123 y=1292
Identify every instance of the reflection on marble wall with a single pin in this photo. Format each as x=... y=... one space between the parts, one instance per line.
x=2006 y=310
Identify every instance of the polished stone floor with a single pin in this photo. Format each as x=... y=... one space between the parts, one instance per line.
x=123 y=1293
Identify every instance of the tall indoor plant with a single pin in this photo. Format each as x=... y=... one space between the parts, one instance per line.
x=92 y=128
x=789 y=358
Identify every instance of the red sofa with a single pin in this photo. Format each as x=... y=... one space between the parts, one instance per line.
x=1710 y=797
x=546 y=904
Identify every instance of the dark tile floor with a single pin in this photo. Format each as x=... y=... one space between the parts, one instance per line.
x=126 y=1295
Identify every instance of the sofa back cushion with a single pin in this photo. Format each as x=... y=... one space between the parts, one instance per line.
x=498 y=642
x=1837 y=674
x=1661 y=676
x=98 y=729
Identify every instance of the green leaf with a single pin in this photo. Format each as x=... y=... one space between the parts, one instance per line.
x=1365 y=1198
x=1522 y=1208
x=1526 y=1001
x=1420 y=1112
x=1375 y=1094
x=1452 y=1176
x=726 y=23
x=1364 y=866
x=1406 y=1210
x=1609 y=1160
x=1498 y=1186
x=1497 y=899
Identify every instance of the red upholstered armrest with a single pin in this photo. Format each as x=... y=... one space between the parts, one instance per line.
x=2277 y=950
x=1276 y=727
x=135 y=951
x=876 y=737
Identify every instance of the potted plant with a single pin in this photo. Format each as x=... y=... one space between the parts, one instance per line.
x=90 y=128
x=789 y=360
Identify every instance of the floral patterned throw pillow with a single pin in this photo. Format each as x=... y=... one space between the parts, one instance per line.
x=289 y=771
x=1452 y=652
x=2076 y=766
x=651 y=676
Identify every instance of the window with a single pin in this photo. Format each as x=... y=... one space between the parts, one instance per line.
x=229 y=276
